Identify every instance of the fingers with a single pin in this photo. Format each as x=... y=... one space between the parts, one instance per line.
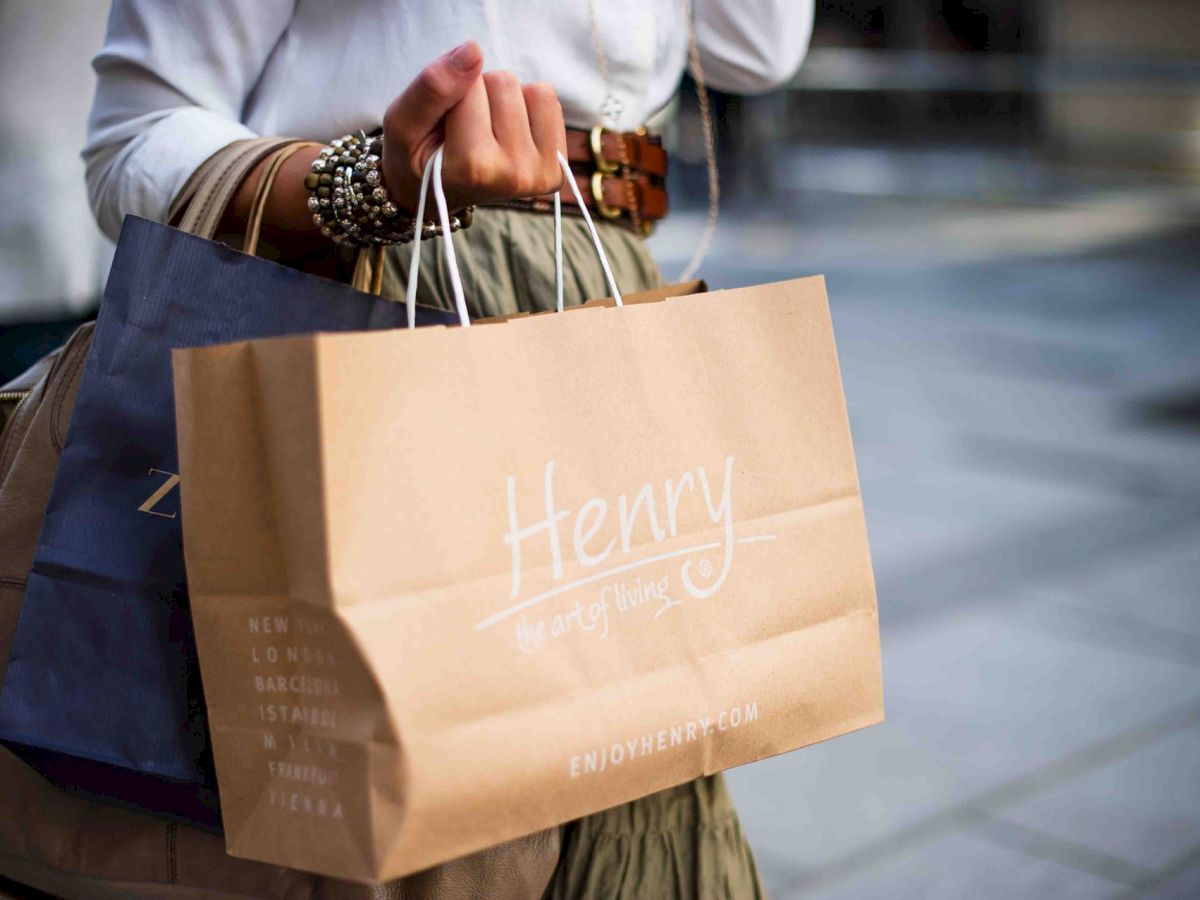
x=510 y=119
x=441 y=86
x=491 y=148
x=547 y=129
x=502 y=139
x=472 y=155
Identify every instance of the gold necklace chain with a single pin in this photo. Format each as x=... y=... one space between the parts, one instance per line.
x=610 y=115
x=710 y=148
x=611 y=107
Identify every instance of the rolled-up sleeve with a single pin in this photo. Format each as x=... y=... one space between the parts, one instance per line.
x=173 y=79
x=750 y=46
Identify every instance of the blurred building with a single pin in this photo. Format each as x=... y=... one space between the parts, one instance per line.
x=1128 y=90
x=971 y=90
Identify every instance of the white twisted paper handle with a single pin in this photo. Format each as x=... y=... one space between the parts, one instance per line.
x=433 y=172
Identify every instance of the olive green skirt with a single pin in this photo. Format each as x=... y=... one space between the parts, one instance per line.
x=685 y=842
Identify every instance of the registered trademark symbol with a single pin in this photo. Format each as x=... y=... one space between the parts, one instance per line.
x=705 y=568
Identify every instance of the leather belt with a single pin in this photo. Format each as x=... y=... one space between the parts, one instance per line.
x=611 y=151
x=620 y=177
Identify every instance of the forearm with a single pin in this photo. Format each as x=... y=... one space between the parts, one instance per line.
x=287 y=224
x=172 y=81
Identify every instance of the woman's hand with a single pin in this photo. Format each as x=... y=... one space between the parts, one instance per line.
x=501 y=137
x=501 y=141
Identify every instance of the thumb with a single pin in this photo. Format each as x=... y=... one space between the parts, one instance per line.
x=434 y=92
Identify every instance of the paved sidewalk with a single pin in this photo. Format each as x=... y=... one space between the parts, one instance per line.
x=1034 y=512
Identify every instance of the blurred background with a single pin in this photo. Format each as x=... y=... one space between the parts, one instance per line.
x=1004 y=196
x=53 y=259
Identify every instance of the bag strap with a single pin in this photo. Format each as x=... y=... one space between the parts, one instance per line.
x=201 y=204
x=212 y=187
x=263 y=191
x=368 y=270
x=368 y=264
x=433 y=176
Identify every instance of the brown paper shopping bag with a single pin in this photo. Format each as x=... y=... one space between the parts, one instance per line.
x=454 y=585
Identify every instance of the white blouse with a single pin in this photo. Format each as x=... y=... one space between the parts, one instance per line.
x=179 y=79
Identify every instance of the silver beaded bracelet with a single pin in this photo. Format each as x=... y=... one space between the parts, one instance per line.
x=350 y=203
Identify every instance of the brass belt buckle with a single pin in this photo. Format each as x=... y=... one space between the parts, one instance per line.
x=606 y=211
x=596 y=143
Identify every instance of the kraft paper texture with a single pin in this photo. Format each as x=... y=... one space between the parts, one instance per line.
x=451 y=586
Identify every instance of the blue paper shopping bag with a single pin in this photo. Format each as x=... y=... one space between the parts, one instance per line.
x=102 y=691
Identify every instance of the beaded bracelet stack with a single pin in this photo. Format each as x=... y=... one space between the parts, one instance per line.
x=350 y=203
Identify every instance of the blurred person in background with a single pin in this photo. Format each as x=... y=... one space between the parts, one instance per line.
x=514 y=85
x=52 y=256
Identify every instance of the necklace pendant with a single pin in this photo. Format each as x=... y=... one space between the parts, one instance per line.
x=611 y=110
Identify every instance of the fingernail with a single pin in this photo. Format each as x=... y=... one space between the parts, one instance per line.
x=465 y=56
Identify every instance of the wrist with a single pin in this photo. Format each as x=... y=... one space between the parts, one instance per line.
x=287 y=227
x=349 y=201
